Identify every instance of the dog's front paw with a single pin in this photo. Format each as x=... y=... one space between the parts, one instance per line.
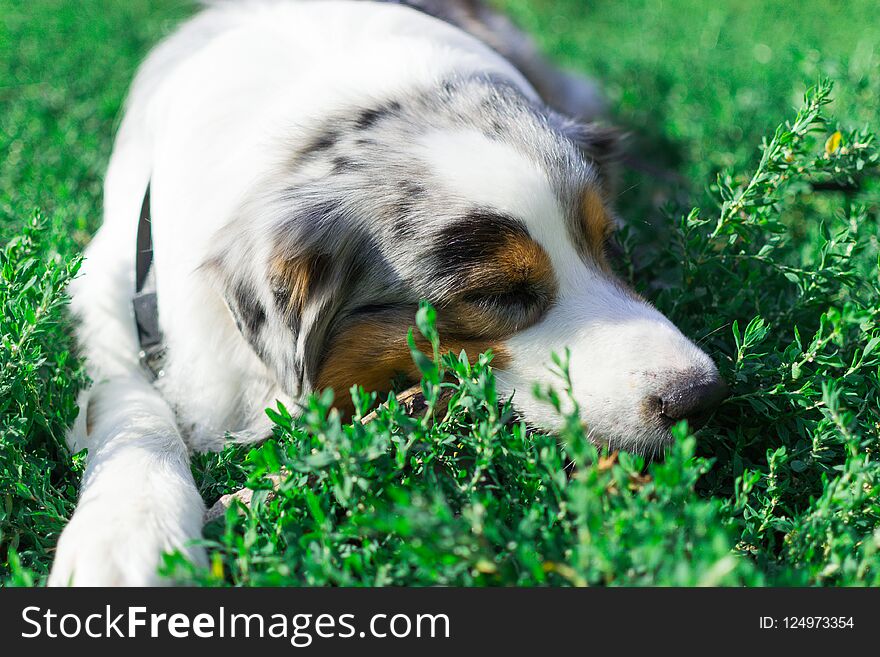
x=107 y=546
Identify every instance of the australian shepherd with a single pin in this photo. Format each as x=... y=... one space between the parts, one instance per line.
x=290 y=179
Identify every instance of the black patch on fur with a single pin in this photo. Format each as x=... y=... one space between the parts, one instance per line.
x=400 y=226
x=250 y=313
x=401 y=211
x=321 y=273
x=475 y=238
x=323 y=142
x=371 y=117
x=602 y=144
x=370 y=309
x=281 y=296
x=368 y=118
x=343 y=164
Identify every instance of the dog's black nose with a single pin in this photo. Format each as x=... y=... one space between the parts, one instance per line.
x=690 y=398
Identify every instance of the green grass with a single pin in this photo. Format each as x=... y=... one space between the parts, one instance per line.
x=776 y=275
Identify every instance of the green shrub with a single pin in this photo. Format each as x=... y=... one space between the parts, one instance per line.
x=38 y=382
x=468 y=498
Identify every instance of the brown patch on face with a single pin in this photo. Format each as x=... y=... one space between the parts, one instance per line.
x=294 y=279
x=517 y=259
x=373 y=351
x=596 y=224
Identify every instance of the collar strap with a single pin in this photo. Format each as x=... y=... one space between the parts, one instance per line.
x=144 y=303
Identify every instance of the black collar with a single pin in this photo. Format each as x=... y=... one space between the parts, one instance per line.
x=146 y=310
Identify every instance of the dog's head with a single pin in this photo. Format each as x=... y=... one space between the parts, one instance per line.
x=494 y=209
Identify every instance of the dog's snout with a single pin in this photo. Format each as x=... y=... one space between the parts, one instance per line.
x=689 y=398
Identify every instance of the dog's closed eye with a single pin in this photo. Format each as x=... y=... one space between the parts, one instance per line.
x=498 y=279
x=520 y=296
x=369 y=309
x=506 y=310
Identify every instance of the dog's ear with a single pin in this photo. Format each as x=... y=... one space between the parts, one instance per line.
x=283 y=307
x=307 y=287
x=602 y=143
x=283 y=290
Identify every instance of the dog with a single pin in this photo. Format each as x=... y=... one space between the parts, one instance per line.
x=290 y=179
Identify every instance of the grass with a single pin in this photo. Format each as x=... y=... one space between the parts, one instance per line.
x=776 y=275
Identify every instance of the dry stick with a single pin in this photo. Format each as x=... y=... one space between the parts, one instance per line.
x=413 y=402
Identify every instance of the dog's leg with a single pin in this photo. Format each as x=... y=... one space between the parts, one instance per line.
x=138 y=497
